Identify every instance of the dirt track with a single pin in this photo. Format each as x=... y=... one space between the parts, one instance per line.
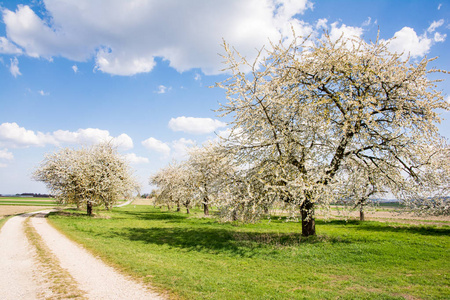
x=20 y=277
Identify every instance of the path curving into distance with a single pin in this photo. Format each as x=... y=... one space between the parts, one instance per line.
x=18 y=278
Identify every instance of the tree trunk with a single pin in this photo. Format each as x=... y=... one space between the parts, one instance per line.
x=178 y=207
x=205 y=206
x=308 y=221
x=89 y=208
x=361 y=213
x=187 y=210
x=234 y=215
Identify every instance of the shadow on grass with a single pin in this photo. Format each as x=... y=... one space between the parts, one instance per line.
x=383 y=227
x=163 y=215
x=220 y=241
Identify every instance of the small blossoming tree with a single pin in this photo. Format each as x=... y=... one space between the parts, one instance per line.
x=89 y=177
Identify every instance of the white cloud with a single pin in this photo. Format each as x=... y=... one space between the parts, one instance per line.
x=367 y=22
x=3 y=165
x=12 y=135
x=344 y=31
x=408 y=42
x=439 y=6
x=75 y=69
x=132 y=158
x=156 y=145
x=5 y=154
x=180 y=148
x=42 y=93
x=6 y=47
x=14 y=67
x=130 y=34
x=198 y=77
x=123 y=142
x=195 y=125
x=163 y=89
x=434 y=25
x=438 y=37
x=322 y=24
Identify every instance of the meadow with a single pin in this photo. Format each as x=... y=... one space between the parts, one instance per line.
x=193 y=257
x=10 y=206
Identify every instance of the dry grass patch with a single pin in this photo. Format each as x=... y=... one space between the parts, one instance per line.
x=10 y=210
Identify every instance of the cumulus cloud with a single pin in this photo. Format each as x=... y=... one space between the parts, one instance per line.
x=195 y=125
x=75 y=68
x=5 y=154
x=130 y=34
x=14 y=67
x=132 y=158
x=6 y=47
x=180 y=148
x=42 y=93
x=408 y=42
x=14 y=136
x=347 y=32
x=156 y=145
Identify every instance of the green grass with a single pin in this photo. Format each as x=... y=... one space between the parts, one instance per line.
x=2 y=221
x=26 y=198
x=201 y=258
x=21 y=201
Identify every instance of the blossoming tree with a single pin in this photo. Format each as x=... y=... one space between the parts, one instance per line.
x=89 y=177
x=307 y=108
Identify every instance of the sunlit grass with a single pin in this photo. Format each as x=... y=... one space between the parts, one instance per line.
x=200 y=258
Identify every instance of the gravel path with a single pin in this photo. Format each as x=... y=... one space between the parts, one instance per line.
x=17 y=265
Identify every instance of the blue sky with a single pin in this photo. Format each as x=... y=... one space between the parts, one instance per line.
x=75 y=72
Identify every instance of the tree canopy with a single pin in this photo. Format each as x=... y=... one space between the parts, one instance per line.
x=97 y=175
x=310 y=110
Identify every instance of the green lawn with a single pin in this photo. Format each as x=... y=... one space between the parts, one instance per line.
x=22 y=201
x=201 y=258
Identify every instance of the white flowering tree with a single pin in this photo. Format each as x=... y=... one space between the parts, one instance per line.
x=210 y=170
x=307 y=108
x=174 y=185
x=89 y=177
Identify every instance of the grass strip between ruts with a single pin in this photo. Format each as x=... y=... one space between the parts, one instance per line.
x=61 y=283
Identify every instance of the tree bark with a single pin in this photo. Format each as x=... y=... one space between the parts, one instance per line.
x=361 y=213
x=178 y=207
x=308 y=221
x=205 y=206
x=89 y=208
x=187 y=210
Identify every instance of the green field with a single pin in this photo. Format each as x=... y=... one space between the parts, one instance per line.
x=200 y=258
x=23 y=201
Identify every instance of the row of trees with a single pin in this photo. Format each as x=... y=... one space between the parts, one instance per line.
x=315 y=123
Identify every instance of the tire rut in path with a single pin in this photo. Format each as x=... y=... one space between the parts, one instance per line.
x=17 y=262
x=98 y=280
